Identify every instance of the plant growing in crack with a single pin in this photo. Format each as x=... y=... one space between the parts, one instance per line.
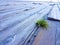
x=42 y=23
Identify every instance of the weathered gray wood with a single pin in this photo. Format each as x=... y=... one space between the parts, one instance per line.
x=17 y=18
x=49 y=36
x=54 y=14
x=58 y=33
x=17 y=32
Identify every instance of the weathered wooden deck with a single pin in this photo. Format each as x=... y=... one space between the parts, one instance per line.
x=17 y=24
x=48 y=36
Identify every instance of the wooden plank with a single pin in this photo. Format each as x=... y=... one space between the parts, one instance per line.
x=18 y=31
x=31 y=18
x=58 y=33
x=20 y=12
x=18 y=18
x=54 y=14
x=46 y=37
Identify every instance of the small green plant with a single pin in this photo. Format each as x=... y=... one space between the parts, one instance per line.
x=42 y=23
